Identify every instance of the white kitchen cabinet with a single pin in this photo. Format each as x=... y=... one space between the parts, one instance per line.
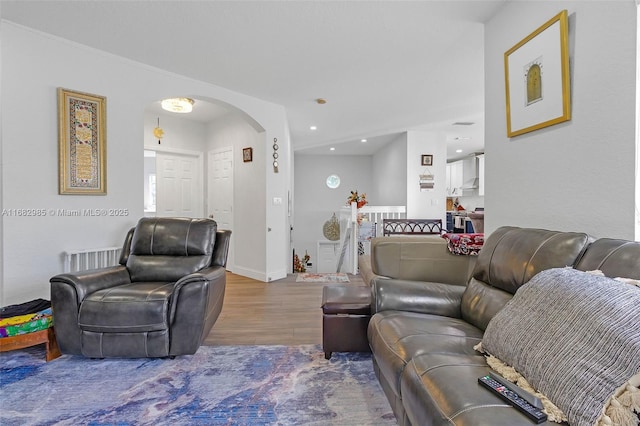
x=455 y=178
x=448 y=179
x=463 y=177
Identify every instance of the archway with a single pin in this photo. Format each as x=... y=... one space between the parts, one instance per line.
x=212 y=137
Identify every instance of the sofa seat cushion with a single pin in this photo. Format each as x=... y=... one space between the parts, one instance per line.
x=396 y=337
x=443 y=389
x=128 y=308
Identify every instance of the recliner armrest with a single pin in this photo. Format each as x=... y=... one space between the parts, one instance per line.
x=416 y=296
x=67 y=293
x=212 y=273
x=195 y=306
x=87 y=282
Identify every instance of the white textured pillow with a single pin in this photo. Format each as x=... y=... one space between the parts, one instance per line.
x=621 y=279
x=558 y=332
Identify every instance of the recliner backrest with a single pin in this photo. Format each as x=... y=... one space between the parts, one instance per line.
x=509 y=258
x=614 y=257
x=166 y=249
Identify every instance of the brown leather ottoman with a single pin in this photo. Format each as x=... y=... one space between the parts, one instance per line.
x=346 y=311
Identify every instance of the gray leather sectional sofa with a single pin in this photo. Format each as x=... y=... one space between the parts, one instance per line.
x=423 y=331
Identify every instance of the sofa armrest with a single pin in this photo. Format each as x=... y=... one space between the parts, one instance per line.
x=416 y=296
x=87 y=282
x=67 y=293
x=195 y=306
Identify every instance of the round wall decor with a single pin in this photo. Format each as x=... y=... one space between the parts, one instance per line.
x=333 y=181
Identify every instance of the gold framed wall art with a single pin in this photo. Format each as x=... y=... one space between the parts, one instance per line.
x=537 y=78
x=82 y=143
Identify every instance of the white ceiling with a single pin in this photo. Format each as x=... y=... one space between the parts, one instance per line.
x=383 y=66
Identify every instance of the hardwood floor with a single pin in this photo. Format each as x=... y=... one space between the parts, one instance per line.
x=281 y=312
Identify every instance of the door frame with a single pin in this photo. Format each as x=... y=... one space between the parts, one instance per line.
x=200 y=170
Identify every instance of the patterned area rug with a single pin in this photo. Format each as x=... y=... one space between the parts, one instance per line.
x=219 y=385
x=307 y=277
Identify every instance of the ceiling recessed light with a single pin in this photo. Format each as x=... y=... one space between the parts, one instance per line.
x=332 y=149
x=313 y=128
x=363 y=140
x=458 y=151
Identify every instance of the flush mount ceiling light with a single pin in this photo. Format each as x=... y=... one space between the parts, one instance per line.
x=179 y=105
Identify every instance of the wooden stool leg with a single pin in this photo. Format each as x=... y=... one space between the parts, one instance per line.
x=51 y=345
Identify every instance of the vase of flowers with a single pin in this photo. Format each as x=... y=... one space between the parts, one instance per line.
x=359 y=199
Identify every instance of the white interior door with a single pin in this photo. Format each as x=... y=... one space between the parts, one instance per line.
x=220 y=193
x=178 y=185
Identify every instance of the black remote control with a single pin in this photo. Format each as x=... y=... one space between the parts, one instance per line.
x=530 y=398
x=513 y=398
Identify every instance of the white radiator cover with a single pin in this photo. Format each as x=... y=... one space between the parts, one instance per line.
x=83 y=260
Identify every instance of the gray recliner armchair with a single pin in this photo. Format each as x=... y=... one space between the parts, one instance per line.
x=161 y=301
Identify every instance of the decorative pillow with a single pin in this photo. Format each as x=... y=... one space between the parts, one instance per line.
x=464 y=244
x=558 y=332
x=621 y=279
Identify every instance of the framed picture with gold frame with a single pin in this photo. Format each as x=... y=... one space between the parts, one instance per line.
x=82 y=143
x=537 y=78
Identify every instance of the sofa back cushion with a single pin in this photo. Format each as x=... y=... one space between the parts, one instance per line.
x=166 y=249
x=419 y=258
x=510 y=257
x=615 y=258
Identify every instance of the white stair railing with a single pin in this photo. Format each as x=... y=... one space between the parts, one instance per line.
x=348 y=259
x=375 y=214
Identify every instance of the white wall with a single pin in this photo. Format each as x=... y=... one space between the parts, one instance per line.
x=389 y=174
x=33 y=66
x=578 y=175
x=426 y=204
x=314 y=202
x=638 y=121
x=179 y=132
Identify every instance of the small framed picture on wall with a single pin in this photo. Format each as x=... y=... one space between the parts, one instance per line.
x=427 y=160
x=247 y=154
